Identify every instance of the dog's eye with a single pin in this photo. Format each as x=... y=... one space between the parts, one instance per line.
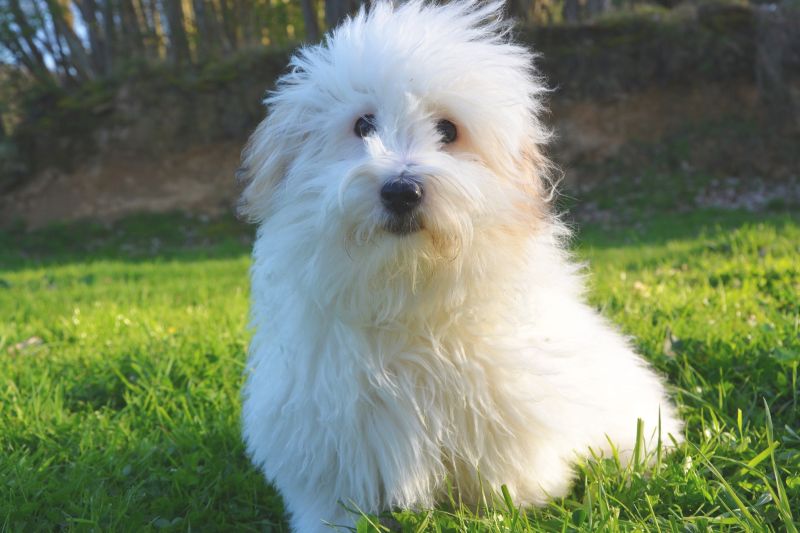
x=365 y=126
x=447 y=130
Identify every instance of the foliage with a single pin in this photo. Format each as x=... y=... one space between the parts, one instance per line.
x=122 y=348
x=67 y=42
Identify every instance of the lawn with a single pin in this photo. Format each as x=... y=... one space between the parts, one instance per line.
x=122 y=349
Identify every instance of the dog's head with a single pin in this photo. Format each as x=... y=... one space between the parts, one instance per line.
x=411 y=127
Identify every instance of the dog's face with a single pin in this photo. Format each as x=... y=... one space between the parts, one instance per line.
x=410 y=129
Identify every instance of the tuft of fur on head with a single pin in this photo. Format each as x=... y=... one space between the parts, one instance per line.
x=315 y=183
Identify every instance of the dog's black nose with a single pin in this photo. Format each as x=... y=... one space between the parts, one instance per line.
x=402 y=194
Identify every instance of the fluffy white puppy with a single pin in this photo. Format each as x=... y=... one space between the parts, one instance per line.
x=417 y=319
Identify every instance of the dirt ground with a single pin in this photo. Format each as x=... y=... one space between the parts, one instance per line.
x=703 y=129
x=198 y=180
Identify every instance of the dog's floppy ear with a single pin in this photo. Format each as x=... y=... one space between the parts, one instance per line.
x=265 y=160
x=540 y=175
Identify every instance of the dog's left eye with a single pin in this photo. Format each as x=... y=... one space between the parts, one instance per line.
x=447 y=130
x=365 y=126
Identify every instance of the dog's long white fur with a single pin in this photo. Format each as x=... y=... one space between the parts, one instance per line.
x=384 y=367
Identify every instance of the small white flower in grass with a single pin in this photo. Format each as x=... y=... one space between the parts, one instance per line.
x=642 y=289
x=687 y=464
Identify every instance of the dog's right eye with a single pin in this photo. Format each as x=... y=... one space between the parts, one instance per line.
x=365 y=126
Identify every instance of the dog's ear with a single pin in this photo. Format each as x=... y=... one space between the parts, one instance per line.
x=265 y=161
x=538 y=174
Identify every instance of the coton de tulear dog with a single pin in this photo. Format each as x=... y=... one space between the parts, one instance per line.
x=417 y=320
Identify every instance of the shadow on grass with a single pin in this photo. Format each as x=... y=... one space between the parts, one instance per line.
x=139 y=238
x=178 y=237
x=176 y=478
x=660 y=228
x=125 y=428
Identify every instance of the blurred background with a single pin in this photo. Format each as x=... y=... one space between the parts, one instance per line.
x=113 y=107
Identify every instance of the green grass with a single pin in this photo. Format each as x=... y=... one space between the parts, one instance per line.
x=122 y=349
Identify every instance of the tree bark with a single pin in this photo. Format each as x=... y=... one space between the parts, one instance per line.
x=228 y=24
x=110 y=30
x=309 y=8
x=245 y=21
x=51 y=44
x=37 y=70
x=178 y=43
x=776 y=38
x=205 y=37
x=78 y=58
x=27 y=33
x=131 y=29
x=97 y=54
x=337 y=10
x=595 y=8
x=151 y=29
x=571 y=11
x=517 y=9
x=217 y=24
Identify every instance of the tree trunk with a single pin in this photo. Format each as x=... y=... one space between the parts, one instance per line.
x=37 y=70
x=205 y=36
x=110 y=30
x=776 y=38
x=131 y=29
x=245 y=19
x=78 y=58
x=228 y=24
x=310 y=19
x=178 y=44
x=152 y=35
x=90 y=12
x=51 y=44
x=27 y=33
x=595 y=8
x=217 y=27
x=571 y=11
x=518 y=9
x=335 y=12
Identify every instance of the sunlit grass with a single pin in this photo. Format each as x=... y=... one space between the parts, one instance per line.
x=122 y=348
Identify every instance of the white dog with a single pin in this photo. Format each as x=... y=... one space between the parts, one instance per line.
x=417 y=320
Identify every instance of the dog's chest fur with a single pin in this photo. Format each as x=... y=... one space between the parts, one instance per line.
x=421 y=410
x=424 y=397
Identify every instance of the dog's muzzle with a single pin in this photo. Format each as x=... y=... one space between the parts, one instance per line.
x=401 y=197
